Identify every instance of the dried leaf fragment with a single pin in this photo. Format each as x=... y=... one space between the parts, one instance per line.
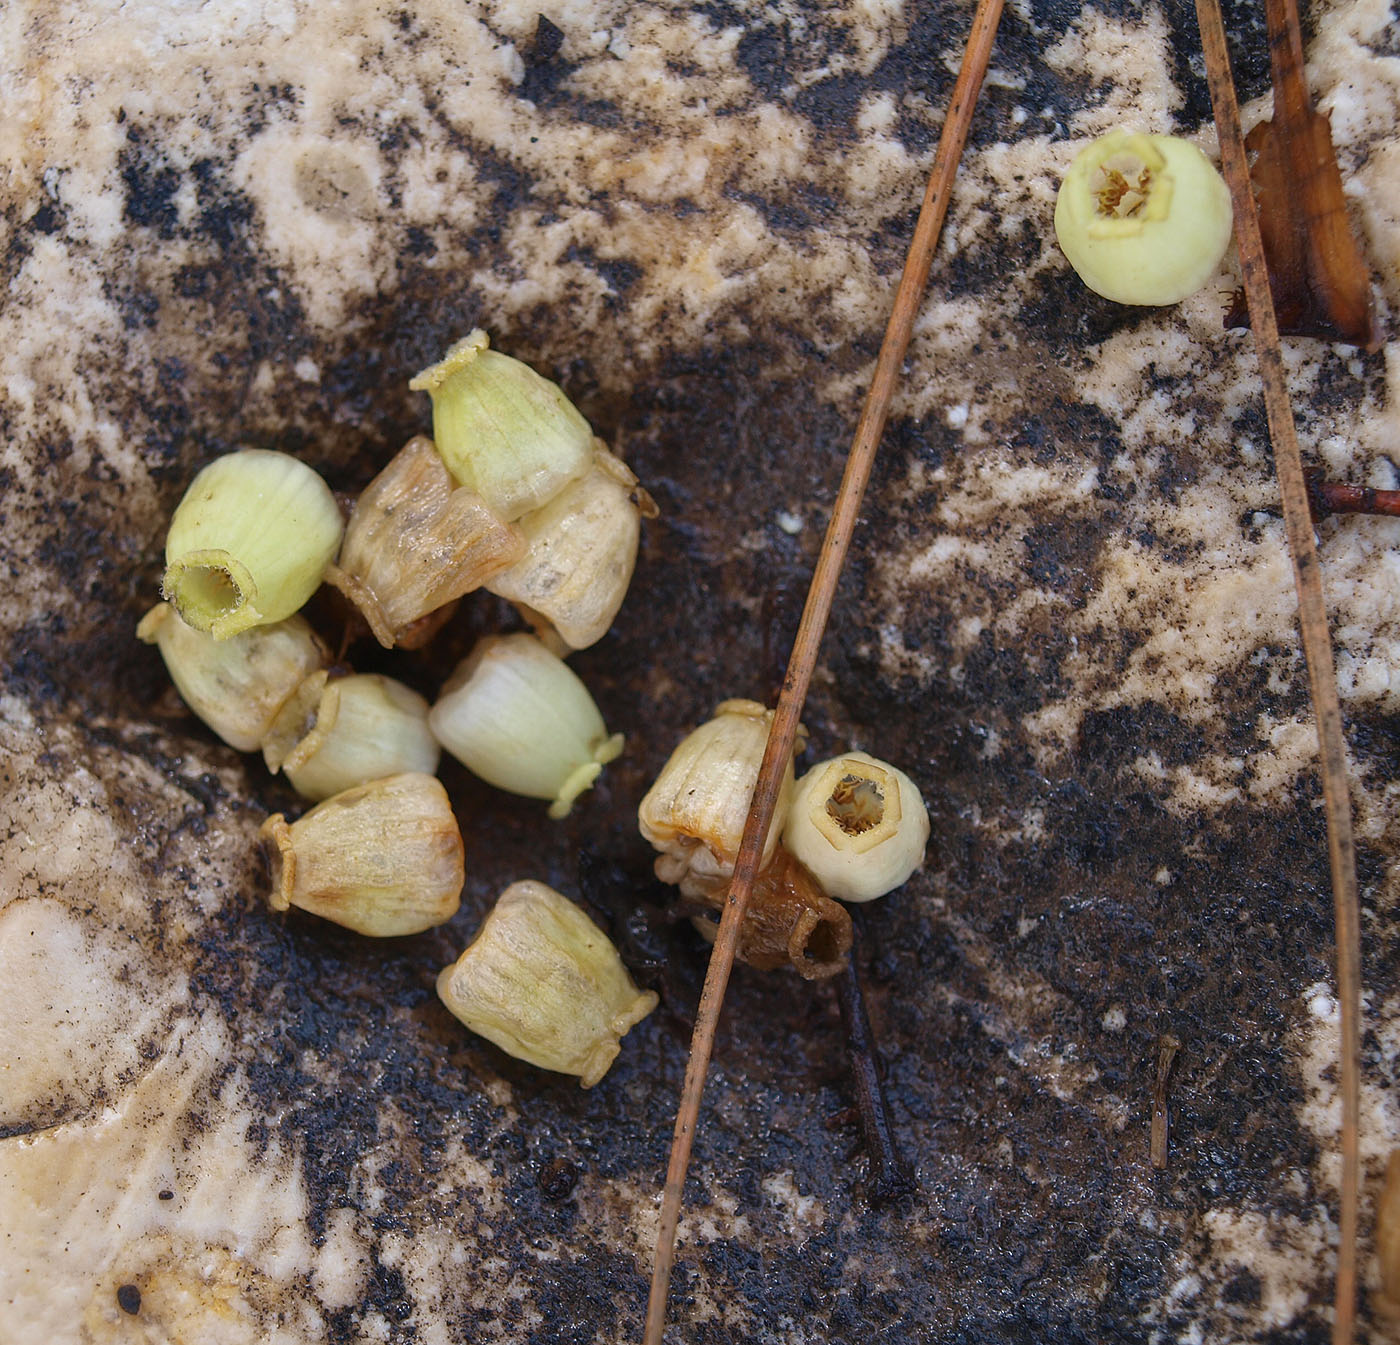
x=1388 y=1236
x=1318 y=277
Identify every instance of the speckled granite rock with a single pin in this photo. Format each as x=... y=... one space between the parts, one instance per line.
x=1069 y=616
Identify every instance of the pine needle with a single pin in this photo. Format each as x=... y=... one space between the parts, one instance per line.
x=1317 y=643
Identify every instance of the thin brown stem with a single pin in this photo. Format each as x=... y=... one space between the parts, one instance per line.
x=820 y=596
x=1167 y=1048
x=890 y=1175
x=1317 y=643
x=1332 y=497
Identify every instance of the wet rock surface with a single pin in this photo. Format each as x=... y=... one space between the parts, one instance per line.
x=1068 y=615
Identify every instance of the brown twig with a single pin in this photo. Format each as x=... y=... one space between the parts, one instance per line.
x=809 y=634
x=890 y=1175
x=1331 y=497
x=1317 y=643
x=1167 y=1047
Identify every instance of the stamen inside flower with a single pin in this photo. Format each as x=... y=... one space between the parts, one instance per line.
x=856 y=805
x=1121 y=185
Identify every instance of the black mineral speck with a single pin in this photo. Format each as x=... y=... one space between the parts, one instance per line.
x=549 y=40
x=151 y=183
x=1242 y=1287
x=129 y=1299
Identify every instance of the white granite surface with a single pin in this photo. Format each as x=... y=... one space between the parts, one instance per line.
x=229 y=223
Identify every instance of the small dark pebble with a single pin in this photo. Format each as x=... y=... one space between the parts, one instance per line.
x=557 y=1179
x=166 y=1195
x=129 y=1299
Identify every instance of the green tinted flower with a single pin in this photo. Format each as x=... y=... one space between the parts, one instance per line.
x=503 y=431
x=521 y=719
x=249 y=542
x=1143 y=219
x=335 y=733
x=236 y=686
